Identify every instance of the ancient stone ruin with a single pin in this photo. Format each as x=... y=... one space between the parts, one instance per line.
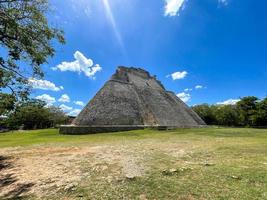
x=133 y=99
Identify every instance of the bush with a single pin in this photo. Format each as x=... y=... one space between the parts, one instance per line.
x=249 y=112
x=34 y=114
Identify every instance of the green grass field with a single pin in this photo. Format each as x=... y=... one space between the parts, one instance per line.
x=207 y=163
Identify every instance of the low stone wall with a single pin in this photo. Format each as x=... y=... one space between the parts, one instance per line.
x=83 y=130
x=79 y=130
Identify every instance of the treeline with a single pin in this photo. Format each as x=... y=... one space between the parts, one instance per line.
x=35 y=114
x=30 y=114
x=248 y=112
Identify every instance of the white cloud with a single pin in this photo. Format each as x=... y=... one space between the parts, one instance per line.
x=46 y=98
x=229 y=102
x=65 y=108
x=44 y=85
x=188 y=89
x=185 y=97
x=81 y=64
x=178 y=75
x=64 y=98
x=74 y=112
x=198 y=87
x=79 y=103
x=173 y=7
x=223 y=2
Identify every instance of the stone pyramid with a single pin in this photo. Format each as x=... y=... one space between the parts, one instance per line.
x=133 y=99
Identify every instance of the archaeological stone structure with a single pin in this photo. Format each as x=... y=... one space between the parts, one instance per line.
x=133 y=99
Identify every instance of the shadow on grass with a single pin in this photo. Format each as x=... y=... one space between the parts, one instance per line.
x=18 y=190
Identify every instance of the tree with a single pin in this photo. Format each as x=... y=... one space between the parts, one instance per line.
x=247 y=108
x=34 y=114
x=206 y=112
x=260 y=118
x=227 y=115
x=249 y=111
x=7 y=103
x=57 y=116
x=31 y=114
x=25 y=36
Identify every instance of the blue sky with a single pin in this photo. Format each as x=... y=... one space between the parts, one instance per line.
x=206 y=51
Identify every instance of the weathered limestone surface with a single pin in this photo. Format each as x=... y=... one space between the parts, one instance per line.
x=133 y=97
x=78 y=130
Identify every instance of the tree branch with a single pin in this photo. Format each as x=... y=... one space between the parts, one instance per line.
x=7 y=68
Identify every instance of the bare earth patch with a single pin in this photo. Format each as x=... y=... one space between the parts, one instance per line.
x=45 y=170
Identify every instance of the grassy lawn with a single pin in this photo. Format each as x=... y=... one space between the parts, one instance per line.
x=208 y=163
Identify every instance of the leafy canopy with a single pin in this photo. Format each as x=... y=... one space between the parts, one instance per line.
x=26 y=42
x=34 y=114
x=249 y=111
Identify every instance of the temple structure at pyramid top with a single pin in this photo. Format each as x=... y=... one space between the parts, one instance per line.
x=133 y=99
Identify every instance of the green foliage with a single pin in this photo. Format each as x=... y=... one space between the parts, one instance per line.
x=26 y=36
x=7 y=102
x=249 y=111
x=226 y=115
x=57 y=116
x=260 y=118
x=34 y=114
x=206 y=112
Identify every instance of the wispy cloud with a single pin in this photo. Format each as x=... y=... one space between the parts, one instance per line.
x=173 y=7
x=188 y=89
x=178 y=75
x=185 y=97
x=223 y=2
x=198 y=87
x=64 y=98
x=46 y=98
x=229 y=102
x=74 y=112
x=79 y=103
x=44 y=85
x=65 y=108
x=113 y=23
